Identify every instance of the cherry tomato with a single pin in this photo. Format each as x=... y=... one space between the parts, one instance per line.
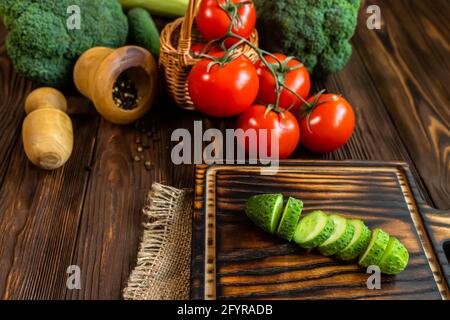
x=285 y=128
x=298 y=80
x=213 y=22
x=198 y=48
x=223 y=91
x=331 y=124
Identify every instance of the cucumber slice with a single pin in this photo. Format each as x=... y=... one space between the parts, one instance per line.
x=359 y=242
x=395 y=258
x=265 y=211
x=289 y=220
x=313 y=230
x=340 y=238
x=376 y=248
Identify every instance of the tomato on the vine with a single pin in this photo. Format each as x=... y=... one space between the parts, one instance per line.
x=329 y=125
x=199 y=48
x=285 y=126
x=214 y=19
x=223 y=90
x=294 y=75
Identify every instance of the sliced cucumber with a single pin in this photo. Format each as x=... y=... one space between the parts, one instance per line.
x=289 y=220
x=395 y=258
x=340 y=238
x=358 y=243
x=265 y=211
x=313 y=230
x=376 y=248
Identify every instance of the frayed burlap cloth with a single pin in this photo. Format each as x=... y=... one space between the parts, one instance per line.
x=164 y=257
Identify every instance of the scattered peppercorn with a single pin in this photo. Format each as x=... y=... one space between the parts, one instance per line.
x=137 y=159
x=148 y=165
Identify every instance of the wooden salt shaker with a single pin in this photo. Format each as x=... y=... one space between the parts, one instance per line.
x=47 y=131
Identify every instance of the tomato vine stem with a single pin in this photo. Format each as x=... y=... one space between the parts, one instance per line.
x=278 y=69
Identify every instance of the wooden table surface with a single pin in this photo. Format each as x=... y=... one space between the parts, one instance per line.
x=88 y=213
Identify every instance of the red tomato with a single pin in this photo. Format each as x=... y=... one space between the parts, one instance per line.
x=297 y=80
x=331 y=124
x=286 y=129
x=199 y=48
x=224 y=91
x=213 y=22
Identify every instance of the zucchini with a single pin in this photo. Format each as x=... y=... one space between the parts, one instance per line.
x=340 y=238
x=289 y=220
x=376 y=248
x=265 y=211
x=313 y=230
x=163 y=8
x=358 y=243
x=143 y=31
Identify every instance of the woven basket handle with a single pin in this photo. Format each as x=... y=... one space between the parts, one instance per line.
x=184 y=44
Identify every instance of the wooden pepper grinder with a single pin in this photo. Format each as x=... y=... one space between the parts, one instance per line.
x=97 y=70
x=47 y=131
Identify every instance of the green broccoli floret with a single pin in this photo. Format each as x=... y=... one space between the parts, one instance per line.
x=317 y=32
x=41 y=46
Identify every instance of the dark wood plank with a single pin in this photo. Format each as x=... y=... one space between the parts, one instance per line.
x=375 y=136
x=39 y=215
x=111 y=221
x=408 y=63
x=13 y=90
x=245 y=262
x=39 y=210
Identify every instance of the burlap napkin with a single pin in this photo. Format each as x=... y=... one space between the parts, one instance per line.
x=163 y=262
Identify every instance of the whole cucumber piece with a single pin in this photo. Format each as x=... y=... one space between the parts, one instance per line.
x=143 y=31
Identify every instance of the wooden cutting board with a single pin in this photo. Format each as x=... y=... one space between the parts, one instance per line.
x=233 y=259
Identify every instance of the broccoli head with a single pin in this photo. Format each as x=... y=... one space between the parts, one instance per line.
x=43 y=48
x=317 y=32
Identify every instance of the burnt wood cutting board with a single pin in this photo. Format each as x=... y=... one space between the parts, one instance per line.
x=233 y=259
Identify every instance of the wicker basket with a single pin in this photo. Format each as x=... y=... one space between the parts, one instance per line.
x=175 y=59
